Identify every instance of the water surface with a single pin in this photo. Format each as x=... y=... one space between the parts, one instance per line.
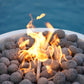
x=62 y=14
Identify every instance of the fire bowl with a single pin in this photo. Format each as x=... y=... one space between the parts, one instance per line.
x=55 y=63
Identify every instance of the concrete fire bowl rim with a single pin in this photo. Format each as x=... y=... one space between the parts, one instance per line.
x=21 y=32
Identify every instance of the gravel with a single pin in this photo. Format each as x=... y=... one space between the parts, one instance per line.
x=3 y=68
x=59 y=78
x=5 y=61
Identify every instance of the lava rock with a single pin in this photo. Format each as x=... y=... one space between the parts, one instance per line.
x=5 y=61
x=21 y=72
x=42 y=80
x=2 y=47
x=16 y=77
x=25 y=65
x=80 y=79
x=63 y=42
x=80 y=44
x=73 y=49
x=0 y=55
x=11 y=54
x=60 y=33
x=67 y=82
x=72 y=37
x=30 y=76
x=43 y=68
x=33 y=65
x=70 y=74
x=4 y=77
x=12 y=68
x=65 y=51
x=7 y=82
x=46 y=74
x=45 y=33
x=80 y=69
x=53 y=64
x=59 y=78
x=9 y=40
x=75 y=44
x=22 y=39
x=15 y=62
x=3 y=68
x=25 y=81
x=78 y=59
x=80 y=55
x=10 y=45
x=75 y=83
x=68 y=44
x=69 y=64
x=67 y=57
x=50 y=82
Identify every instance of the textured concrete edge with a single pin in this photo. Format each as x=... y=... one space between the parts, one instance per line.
x=18 y=33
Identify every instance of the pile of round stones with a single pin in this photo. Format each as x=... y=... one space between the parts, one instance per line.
x=69 y=72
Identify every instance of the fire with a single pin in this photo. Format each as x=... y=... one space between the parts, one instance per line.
x=49 y=69
x=42 y=47
x=41 y=16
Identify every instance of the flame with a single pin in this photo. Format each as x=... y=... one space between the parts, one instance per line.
x=42 y=47
x=49 y=70
x=41 y=16
x=30 y=25
x=69 y=51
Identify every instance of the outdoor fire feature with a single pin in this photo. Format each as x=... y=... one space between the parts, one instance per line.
x=48 y=57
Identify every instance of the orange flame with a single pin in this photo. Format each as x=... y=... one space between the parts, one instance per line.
x=69 y=51
x=41 y=49
x=41 y=16
x=30 y=25
x=49 y=70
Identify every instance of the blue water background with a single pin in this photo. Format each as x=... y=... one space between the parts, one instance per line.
x=62 y=14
